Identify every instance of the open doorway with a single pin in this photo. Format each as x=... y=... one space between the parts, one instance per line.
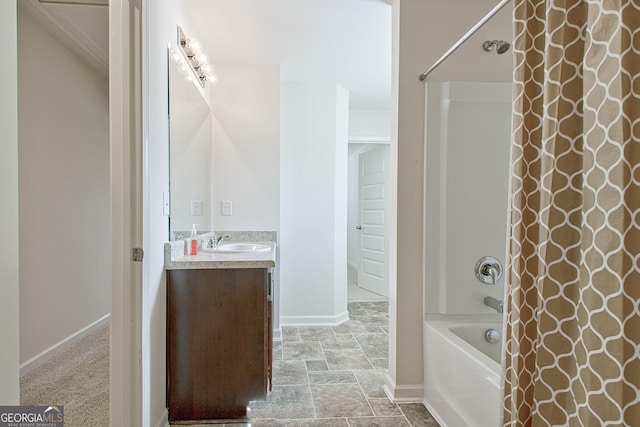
x=63 y=175
x=367 y=219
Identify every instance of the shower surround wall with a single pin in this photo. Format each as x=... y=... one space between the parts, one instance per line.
x=467 y=166
x=467 y=169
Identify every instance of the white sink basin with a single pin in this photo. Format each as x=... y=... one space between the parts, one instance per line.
x=244 y=247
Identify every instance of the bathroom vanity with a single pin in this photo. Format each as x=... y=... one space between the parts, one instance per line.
x=219 y=332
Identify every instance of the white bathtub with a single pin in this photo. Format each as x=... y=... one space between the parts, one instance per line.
x=462 y=373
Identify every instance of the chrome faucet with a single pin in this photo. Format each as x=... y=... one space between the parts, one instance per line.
x=496 y=304
x=217 y=240
x=209 y=243
x=488 y=270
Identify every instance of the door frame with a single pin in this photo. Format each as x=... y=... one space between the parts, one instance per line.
x=9 y=262
x=126 y=211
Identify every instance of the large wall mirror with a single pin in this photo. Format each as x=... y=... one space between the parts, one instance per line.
x=190 y=151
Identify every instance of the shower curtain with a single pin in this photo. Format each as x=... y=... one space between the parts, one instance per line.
x=572 y=352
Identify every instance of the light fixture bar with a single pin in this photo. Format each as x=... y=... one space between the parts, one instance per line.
x=196 y=58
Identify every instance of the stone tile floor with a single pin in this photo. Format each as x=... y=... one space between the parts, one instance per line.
x=333 y=377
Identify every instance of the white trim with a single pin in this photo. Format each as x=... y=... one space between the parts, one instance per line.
x=47 y=354
x=406 y=393
x=277 y=335
x=352 y=265
x=145 y=304
x=314 y=320
x=9 y=192
x=370 y=139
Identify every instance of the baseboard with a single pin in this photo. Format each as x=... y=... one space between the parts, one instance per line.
x=406 y=393
x=163 y=421
x=44 y=356
x=314 y=320
x=277 y=335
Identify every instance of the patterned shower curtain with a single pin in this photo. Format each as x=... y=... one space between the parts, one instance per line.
x=572 y=355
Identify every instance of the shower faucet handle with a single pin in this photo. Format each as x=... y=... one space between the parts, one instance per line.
x=488 y=270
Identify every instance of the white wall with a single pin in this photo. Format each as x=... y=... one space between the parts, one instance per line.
x=64 y=190
x=369 y=124
x=246 y=108
x=9 y=301
x=466 y=192
x=164 y=15
x=313 y=173
x=340 y=167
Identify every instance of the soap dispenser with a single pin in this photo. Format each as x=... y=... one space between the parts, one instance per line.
x=194 y=240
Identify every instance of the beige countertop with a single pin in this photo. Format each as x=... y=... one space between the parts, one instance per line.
x=175 y=258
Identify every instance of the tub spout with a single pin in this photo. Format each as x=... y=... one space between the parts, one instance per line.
x=494 y=303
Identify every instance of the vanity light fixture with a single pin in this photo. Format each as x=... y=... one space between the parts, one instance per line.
x=181 y=64
x=196 y=58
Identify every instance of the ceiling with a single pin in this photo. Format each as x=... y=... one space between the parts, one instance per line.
x=347 y=42
x=82 y=24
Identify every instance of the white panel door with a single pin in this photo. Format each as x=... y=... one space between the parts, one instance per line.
x=373 y=180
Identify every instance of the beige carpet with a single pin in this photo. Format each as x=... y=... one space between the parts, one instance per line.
x=77 y=379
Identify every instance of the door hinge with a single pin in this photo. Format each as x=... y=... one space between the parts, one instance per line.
x=137 y=254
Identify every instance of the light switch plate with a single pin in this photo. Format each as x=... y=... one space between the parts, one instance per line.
x=196 y=207
x=227 y=208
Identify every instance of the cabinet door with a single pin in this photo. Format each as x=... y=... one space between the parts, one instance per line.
x=215 y=342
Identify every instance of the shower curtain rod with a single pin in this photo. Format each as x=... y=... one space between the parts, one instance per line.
x=464 y=38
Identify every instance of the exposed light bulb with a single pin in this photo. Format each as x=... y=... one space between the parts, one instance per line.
x=194 y=44
x=201 y=58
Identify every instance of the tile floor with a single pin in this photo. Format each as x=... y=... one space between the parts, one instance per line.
x=333 y=377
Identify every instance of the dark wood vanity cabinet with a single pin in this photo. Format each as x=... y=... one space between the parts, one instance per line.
x=219 y=341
